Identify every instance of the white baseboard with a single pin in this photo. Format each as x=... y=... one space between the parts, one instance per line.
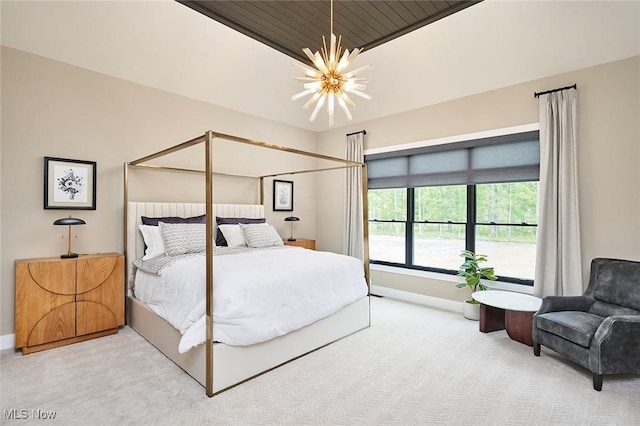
x=8 y=341
x=421 y=299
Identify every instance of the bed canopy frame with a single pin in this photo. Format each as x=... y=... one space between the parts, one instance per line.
x=207 y=139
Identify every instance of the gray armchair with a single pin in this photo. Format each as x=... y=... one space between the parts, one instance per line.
x=599 y=330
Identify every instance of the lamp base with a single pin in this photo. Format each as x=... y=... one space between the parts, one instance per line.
x=291 y=239
x=69 y=256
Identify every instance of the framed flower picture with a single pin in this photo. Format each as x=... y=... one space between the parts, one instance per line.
x=69 y=184
x=283 y=195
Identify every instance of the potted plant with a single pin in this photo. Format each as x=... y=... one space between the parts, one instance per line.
x=473 y=274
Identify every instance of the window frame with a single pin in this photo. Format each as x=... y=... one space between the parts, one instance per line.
x=470 y=234
x=470 y=223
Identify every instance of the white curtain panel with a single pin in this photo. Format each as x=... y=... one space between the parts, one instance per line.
x=353 y=226
x=558 y=258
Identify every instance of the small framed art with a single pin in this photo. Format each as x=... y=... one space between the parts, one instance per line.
x=69 y=184
x=283 y=195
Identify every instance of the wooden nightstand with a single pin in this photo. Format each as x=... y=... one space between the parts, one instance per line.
x=302 y=242
x=64 y=301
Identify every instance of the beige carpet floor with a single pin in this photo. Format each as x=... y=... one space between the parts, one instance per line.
x=415 y=365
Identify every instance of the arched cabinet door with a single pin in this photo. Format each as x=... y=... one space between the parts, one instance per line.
x=45 y=301
x=57 y=324
x=100 y=298
x=93 y=317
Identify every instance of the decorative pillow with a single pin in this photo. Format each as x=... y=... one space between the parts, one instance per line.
x=261 y=236
x=233 y=235
x=153 y=221
x=183 y=238
x=153 y=241
x=220 y=239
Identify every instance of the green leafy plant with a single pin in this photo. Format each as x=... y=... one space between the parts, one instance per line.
x=473 y=273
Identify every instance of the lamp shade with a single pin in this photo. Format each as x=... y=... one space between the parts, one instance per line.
x=69 y=221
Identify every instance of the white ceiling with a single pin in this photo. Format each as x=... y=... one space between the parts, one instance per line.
x=166 y=45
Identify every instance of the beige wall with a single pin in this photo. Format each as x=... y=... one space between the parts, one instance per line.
x=608 y=157
x=53 y=109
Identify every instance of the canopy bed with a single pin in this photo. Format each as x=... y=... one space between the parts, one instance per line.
x=222 y=340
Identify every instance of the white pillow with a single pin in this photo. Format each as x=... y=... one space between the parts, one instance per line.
x=263 y=235
x=153 y=240
x=183 y=238
x=233 y=235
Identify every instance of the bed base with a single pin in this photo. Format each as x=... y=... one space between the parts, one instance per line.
x=236 y=364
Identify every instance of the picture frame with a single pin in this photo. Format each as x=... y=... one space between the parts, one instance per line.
x=69 y=184
x=282 y=195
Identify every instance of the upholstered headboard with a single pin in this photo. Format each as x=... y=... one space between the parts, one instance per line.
x=135 y=210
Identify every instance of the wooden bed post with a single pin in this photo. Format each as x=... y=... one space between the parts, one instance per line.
x=209 y=266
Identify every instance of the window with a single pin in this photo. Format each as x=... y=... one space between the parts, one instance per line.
x=505 y=227
x=390 y=206
x=428 y=204
x=440 y=214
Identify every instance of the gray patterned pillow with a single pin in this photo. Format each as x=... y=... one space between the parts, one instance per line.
x=183 y=238
x=220 y=238
x=261 y=235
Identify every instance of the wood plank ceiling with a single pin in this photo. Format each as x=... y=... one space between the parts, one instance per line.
x=291 y=25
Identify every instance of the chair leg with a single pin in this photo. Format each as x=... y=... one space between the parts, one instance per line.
x=536 y=349
x=597 y=382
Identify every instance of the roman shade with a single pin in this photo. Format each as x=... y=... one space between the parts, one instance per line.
x=505 y=158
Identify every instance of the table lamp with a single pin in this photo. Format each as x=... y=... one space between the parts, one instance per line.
x=291 y=219
x=69 y=221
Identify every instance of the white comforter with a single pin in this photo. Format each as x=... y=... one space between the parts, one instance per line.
x=258 y=295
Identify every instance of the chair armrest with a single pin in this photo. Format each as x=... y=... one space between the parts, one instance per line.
x=565 y=303
x=627 y=324
x=616 y=345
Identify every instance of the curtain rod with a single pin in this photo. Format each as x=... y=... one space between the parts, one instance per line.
x=364 y=132
x=537 y=94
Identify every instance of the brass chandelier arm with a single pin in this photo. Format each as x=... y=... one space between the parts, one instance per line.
x=331 y=16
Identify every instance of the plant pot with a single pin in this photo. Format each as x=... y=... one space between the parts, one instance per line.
x=471 y=310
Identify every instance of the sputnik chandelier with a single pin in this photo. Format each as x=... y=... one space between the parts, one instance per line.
x=329 y=81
